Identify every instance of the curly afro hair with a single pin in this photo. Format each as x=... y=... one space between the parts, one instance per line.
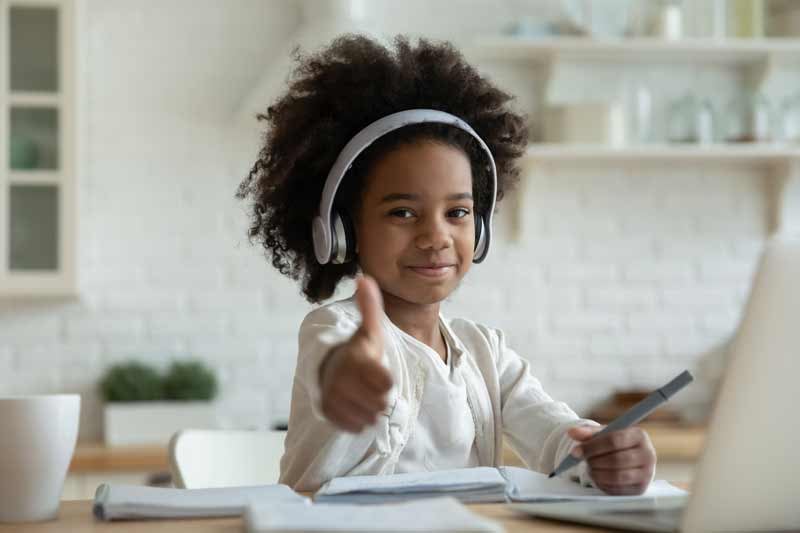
x=335 y=93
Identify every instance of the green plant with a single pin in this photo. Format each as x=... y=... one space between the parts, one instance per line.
x=131 y=382
x=190 y=380
x=138 y=382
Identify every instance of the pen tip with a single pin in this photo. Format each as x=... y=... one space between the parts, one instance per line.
x=552 y=474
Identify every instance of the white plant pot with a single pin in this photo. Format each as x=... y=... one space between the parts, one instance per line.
x=154 y=422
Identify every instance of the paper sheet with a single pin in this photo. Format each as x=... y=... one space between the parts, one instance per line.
x=528 y=486
x=112 y=502
x=435 y=515
x=472 y=485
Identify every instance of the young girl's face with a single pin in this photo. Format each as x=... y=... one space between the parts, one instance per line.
x=415 y=230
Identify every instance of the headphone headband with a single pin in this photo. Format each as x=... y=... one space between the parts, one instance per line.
x=321 y=225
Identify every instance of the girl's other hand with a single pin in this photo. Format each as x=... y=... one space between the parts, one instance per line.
x=354 y=383
x=620 y=462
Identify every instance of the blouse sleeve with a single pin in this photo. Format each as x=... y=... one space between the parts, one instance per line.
x=534 y=424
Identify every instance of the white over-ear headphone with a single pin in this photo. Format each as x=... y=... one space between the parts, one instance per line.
x=333 y=234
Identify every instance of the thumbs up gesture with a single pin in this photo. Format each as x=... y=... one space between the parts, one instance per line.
x=354 y=383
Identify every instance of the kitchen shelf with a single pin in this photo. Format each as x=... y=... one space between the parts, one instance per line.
x=739 y=153
x=692 y=50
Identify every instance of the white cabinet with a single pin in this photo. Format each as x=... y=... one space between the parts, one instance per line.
x=37 y=152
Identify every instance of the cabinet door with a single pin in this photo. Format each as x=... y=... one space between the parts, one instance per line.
x=36 y=165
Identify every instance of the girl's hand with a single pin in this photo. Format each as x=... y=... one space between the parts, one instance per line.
x=620 y=462
x=354 y=382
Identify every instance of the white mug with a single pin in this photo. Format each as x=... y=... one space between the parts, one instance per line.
x=37 y=439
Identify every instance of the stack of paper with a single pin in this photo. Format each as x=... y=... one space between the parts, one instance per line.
x=113 y=502
x=469 y=485
x=528 y=486
x=472 y=485
x=436 y=515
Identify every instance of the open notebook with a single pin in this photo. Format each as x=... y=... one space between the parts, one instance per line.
x=432 y=515
x=473 y=485
x=119 y=502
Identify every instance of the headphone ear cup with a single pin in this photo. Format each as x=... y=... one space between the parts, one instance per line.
x=481 y=240
x=344 y=238
x=478 y=231
x=350 y=238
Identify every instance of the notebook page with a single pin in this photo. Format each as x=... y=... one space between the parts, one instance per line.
x=526 y=486
x=132 y=501
x=435 y=515
x=460 y=479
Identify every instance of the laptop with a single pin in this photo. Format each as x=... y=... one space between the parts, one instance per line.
x=748 y=476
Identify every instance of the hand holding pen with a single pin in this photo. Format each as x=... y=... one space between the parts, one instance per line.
x=621 y=458
x=620 y=462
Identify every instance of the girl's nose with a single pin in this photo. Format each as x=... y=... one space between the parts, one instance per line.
x=433 y=235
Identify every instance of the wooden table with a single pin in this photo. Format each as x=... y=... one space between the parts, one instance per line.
x=671 y=443
x=97 y=457
x=76 y=516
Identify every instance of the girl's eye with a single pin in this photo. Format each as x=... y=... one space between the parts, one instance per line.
x=459 y=212
x=401 y=213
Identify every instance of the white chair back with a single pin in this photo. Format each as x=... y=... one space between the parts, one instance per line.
x=204 y=458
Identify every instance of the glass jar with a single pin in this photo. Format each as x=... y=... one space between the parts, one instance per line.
x=735 y=127
x=680 y=119
x=748 y=118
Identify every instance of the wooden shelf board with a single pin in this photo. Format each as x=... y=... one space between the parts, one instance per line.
x=749 y=152
x=692 y=50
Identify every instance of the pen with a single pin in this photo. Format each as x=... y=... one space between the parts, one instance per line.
x=633 y=415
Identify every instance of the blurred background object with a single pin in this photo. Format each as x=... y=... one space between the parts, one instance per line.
x=623 y=400
x=144 y=407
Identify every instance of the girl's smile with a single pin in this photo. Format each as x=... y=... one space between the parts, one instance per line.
x=433 y=271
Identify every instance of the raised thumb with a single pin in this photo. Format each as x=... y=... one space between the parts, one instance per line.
x=370 y=303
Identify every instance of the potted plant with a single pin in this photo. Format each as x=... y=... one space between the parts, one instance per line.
x=144 y=407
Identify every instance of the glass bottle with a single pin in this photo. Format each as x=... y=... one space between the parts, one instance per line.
x=641 y=120
x=760 y=118
x=680 y=119
x=705 y=122
x=789 y=117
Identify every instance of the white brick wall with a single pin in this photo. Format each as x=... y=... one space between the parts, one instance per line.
x=637 y=300
x=617 y=276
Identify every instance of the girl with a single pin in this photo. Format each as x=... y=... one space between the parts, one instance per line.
x=388 y=162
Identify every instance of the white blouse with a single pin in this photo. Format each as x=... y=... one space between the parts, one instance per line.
x=505 y=401
x=444 y=436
